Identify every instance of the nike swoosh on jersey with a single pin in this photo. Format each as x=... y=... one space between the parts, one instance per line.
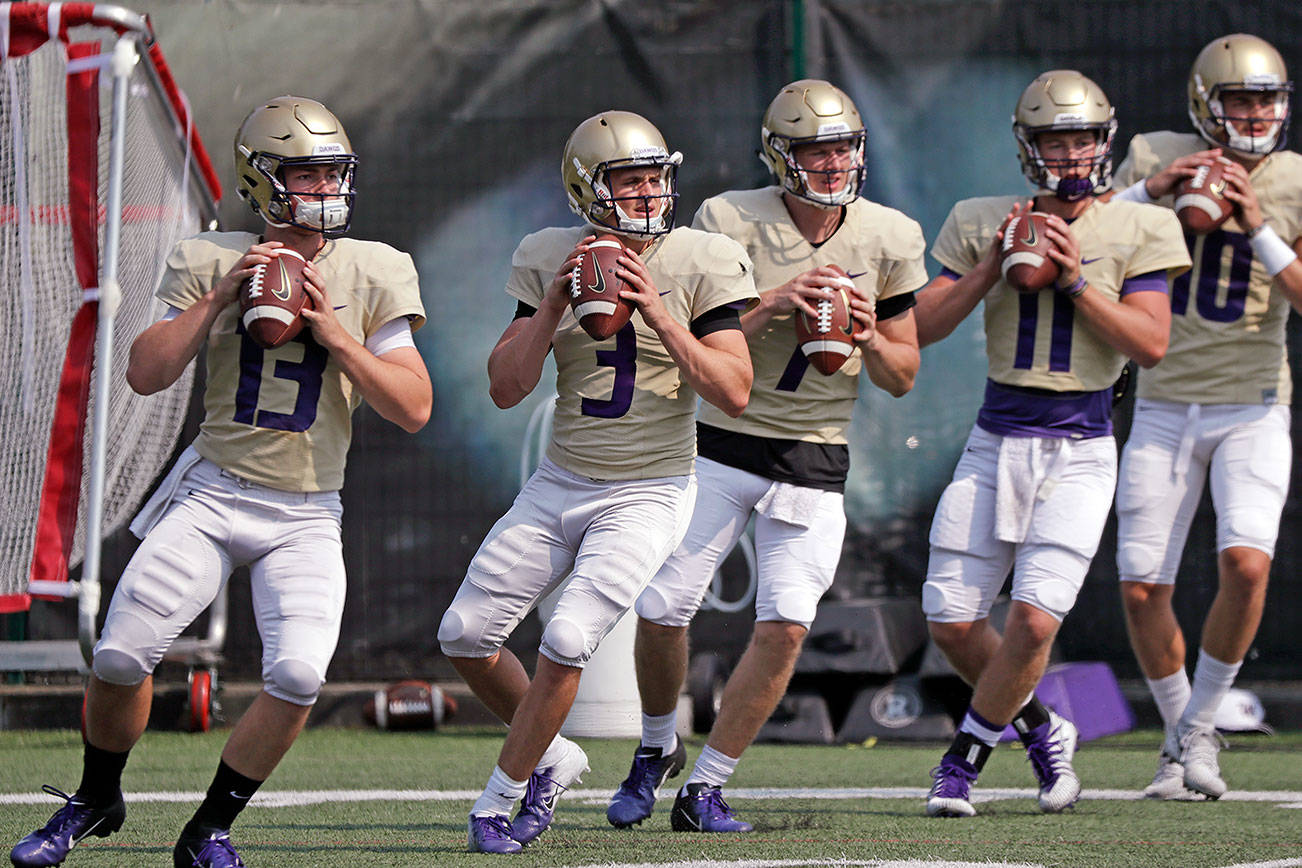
x=666 y=292
x=857 y=274
x=340 y=306
x=1088 y=261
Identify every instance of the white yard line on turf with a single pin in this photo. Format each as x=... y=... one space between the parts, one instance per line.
x=288 y=798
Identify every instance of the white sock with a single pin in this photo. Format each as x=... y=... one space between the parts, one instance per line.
x=1212 y=680
x=555 y=752
x=499 y=797
x=712 y=768
x=982 y=729
x=1171 y=695
x=660 y=731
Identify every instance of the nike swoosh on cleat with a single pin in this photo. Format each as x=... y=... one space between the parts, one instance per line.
x=92 y=828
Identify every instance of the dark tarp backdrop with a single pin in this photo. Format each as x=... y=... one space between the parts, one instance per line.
x=458 y=111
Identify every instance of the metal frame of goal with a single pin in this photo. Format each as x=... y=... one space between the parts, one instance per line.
x=106 y=172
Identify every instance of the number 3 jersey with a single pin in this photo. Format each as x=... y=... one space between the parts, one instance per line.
x=623 y=410
x=1034 y=340
x=1227 y=323
x=283 y=417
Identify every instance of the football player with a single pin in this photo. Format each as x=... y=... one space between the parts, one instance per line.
x=1034 y=483
x=1219 y=401
x=784 y=460
x=260 y=484
x=613 y=494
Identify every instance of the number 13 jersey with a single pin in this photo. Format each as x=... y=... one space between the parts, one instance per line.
x=1227 y=323
x=283 y=417
x=623 y=409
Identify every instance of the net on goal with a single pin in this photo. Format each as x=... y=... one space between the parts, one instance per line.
x=101 y=172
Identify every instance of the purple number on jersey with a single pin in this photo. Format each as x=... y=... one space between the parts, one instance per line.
x=794 y=372
x=307 y=373
x=1209 y=277
x=1064 y=314
x=623 y=358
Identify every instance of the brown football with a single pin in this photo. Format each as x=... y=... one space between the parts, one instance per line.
x=272 y=300
x=409 y=704
x=1200 y=202
x=594 y=289
x=827 y=339
x=1024 y=254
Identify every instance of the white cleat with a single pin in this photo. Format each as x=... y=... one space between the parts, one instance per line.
x=1198 y=755
x=1050 y=753
x=1168 y=783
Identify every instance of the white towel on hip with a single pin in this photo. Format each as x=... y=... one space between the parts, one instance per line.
x=1028 y=470
x=152 y=512
x=791 y=504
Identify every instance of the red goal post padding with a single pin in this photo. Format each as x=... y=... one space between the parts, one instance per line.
x=26 y=28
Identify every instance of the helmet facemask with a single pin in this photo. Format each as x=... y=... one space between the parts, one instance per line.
x=1219 y=127
x=626 y=221
x=1048 y=174
x=795 y=180
x=1065 y=101
x=328 y=213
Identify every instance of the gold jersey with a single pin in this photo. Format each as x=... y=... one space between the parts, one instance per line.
x=880 y=248
x=283 y=417
x=623 y=410
x=1034 y=339
x=1228 y=320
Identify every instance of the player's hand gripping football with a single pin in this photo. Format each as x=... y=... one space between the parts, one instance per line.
x=1165 y=181
x=1065 y=252
x=990 y=263
x=643 y=292
x=326 y=328
x=227 y=289
x=802 y=291
x=557 y=297
x=1239 y=191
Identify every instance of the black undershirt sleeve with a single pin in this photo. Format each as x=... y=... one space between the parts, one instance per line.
x=523 y=311
x=896 y=305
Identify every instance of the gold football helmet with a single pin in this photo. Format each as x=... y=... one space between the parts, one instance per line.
x=1239 y=61
x=292 y=130
x=805 y=111
x=1063 y=100
x=618 y=140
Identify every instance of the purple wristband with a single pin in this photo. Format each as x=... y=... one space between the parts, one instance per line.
x=1075 y=289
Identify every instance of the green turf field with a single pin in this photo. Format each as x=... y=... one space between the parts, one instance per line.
x=324 y=807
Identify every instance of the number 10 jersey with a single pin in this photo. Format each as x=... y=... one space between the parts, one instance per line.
x=1227 y=323
x=283 y=417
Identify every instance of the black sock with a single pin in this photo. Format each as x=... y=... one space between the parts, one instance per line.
x=1031 y=715
x=229 y=792
x=968 y=747
x=101 y=775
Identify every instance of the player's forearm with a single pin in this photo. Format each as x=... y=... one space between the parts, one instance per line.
x=943 y=304
x=720 y=374
x=160 y=354
x=396 y=386
x=1140 y=333
x=515 y=364
x=891 y=365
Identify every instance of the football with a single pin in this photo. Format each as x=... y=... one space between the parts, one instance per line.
x=272 y=299
x=1200 y=203
x=409 y=704
x=1024 y=254
x=594 y=289
x=827 y=339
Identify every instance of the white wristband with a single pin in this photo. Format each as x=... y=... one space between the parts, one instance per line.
x=1273 y=252
x=1137 y=192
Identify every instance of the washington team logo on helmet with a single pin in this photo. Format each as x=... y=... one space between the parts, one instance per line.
x=1240 y=62
x=804 y=112
x=619 y=140
x=294 y=131
x=1063 y=100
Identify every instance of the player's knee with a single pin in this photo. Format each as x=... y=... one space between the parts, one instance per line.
x=1050 y=594
x=942 y=602
x=293 y=681
x=115 y=666
x=1136 y=563
x=565 y=642
x=461 y=631
x=796 y=607
x=657 y=607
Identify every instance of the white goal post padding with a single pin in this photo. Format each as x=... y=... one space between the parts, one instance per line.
x=56 y=125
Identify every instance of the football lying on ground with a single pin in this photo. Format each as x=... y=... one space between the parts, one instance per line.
x=1200 y=203
x=272 y=299
x=594 y=289
x=827 y=339
x=409 y=704
x=1024 y=254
